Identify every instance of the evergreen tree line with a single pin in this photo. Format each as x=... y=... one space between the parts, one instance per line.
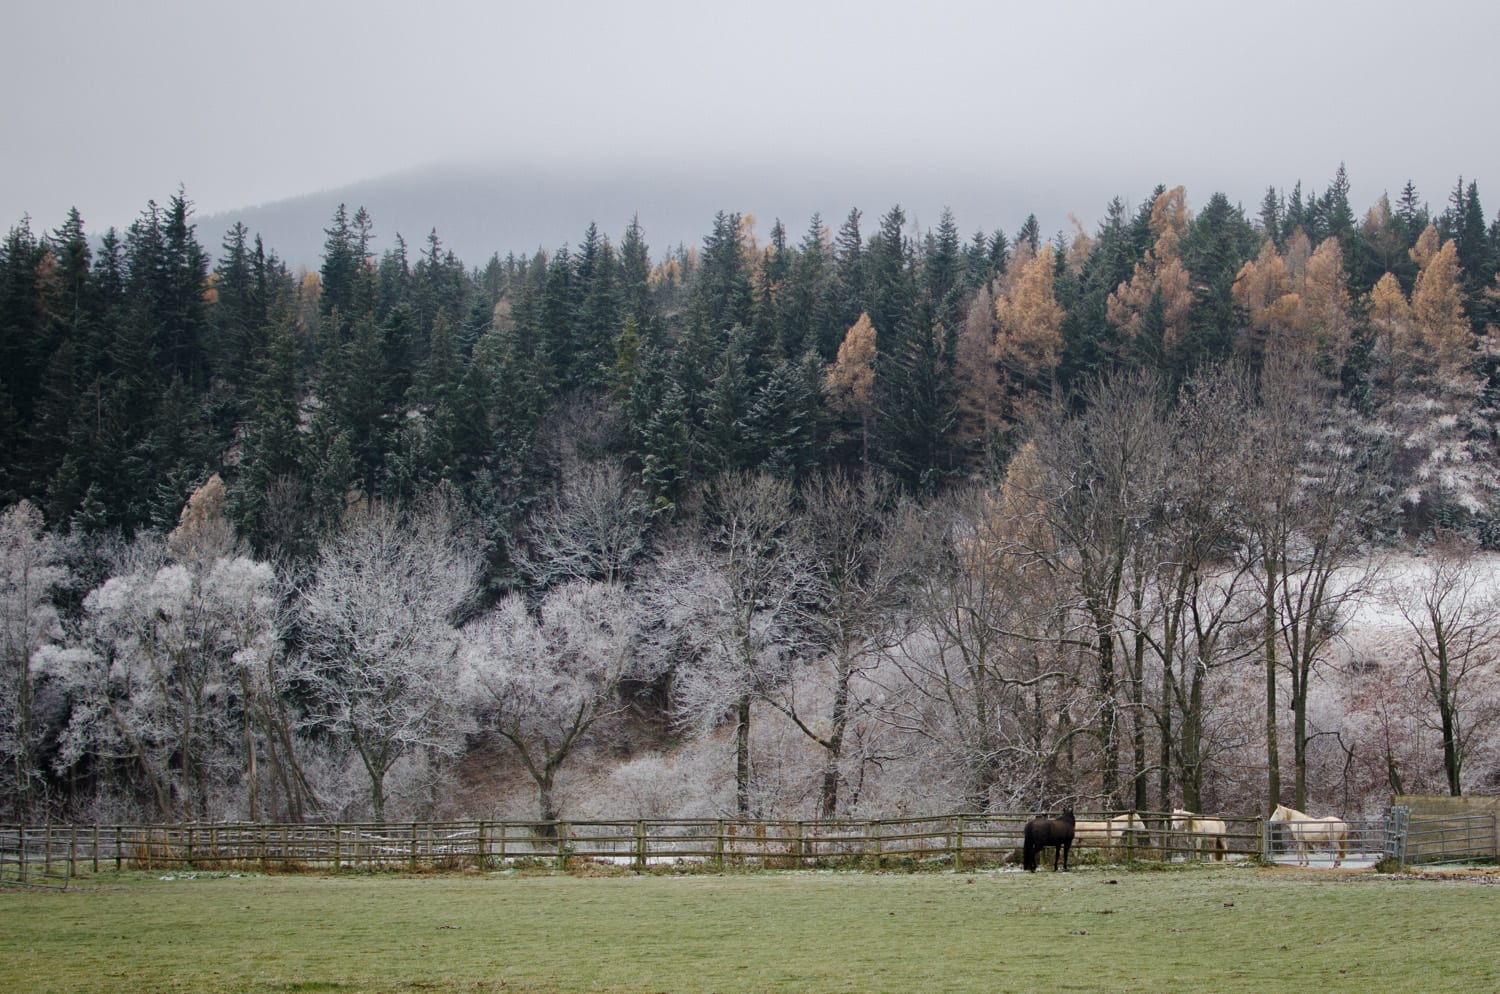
x=136 y=366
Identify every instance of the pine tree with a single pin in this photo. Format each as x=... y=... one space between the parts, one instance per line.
x=917 y=412
x=598 y=314
x=1271 y=210
x=23 y=354
x=849 y=297
x=1217 y=243
x=636 y=300
x=942 y=271
x=808 y=309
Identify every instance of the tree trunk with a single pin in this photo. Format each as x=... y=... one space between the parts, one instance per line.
x=1273 y=755
x=1108 y=716
x=829 y=802
x=546 y=796
x=1138 y=724
x=1452 y=758
x=742 y=757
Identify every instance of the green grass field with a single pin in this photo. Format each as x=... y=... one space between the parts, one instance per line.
x=1096 y=929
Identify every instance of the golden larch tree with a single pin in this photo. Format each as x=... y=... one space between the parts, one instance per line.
x=1028 y=337
x=1390 y=320
x=1325 y=320
x=849 y=383
x=1437 y=311
x=1160 y=275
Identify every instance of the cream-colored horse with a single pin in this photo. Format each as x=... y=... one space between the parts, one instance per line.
x=1201 y=832
x=1306 y=831
x=1108 y=834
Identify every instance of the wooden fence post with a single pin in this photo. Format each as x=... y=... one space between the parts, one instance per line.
x=479 y=847
x=875 y=841
x=414 y=846
x=118 y=864
x=96 y=847
x=958 y=844
x=719 y=845
x=640 y=845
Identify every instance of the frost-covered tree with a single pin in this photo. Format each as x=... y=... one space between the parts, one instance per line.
x=986 y=680
x=1433 y=394
x=379 y=645
x=1096 y=482
x=592 y=528
x=29 y=570
x=1201 y=598
x=543 y=680
x=856 y=581
x=157 y=678
x=1308 y=509
x=1453 y=611
x=732 y=608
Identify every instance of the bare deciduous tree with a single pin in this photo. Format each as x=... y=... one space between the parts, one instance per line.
x=732 y=606
x=29 y=570
x=1308 y=502
x=1453 y=610
x=593 y=528
x=855 y=584
x=379 y=643
x=154 y=676
x=545 y=680
x=1097 y=483
x=985 y=667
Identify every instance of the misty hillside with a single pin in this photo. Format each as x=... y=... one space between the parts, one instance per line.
x=483 y=211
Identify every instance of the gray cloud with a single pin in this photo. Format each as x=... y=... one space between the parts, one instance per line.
x=245 y=104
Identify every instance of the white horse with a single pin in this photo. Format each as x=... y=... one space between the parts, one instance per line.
x=1106 y=835
x=1306 y=831
x=1201 y=832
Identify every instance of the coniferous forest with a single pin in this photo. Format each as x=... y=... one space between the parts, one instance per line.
x=1195 y=508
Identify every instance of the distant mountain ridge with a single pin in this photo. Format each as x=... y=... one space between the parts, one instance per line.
x=481 y=211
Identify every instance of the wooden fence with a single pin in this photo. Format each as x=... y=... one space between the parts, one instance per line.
x=948 y=840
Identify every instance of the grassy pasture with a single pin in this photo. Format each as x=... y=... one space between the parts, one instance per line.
x=1094 y=929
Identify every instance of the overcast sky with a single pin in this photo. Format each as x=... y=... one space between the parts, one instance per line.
x=116 y=102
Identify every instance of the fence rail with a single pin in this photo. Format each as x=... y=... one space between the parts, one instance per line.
x=50 y=855
x=958 y=840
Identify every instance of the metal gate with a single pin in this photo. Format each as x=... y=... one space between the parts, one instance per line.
x=1397 y=824
x=1440 y=838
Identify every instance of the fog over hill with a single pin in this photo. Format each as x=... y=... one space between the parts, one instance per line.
x=480 y=210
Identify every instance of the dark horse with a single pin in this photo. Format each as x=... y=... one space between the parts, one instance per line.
x=1043 y=832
